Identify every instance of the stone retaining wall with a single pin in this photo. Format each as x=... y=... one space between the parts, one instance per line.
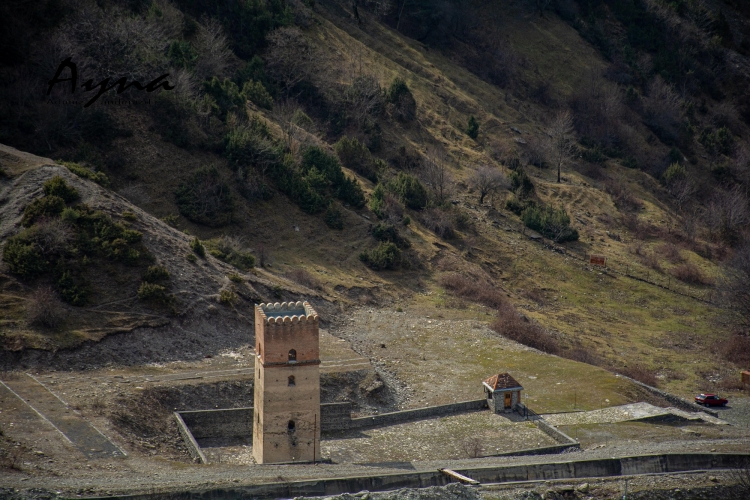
x=238 y=422
x=398 y=417
x=679 y=402
x=645 y=464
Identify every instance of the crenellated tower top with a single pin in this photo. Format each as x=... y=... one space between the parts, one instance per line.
x=286 y=333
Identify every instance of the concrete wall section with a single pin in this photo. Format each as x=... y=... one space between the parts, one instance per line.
x=398 y=417
x=335 y=416
x=554 y=432
x=237 y=422
x=187 y=436
x=678 y=402
x=493 y=474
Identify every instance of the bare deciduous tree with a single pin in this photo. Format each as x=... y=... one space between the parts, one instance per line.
x=536 y=151
x=44 y=308
x=487 y=180
x=562 y=138
x=289 y=59
x=364 y=98
x=682 y=190
x=663 y=108
x=689 y=222
x=436 y=174
x=52 y=236
x=214 y=57
x=728 y=212
x=473 y=446
x=283 y=113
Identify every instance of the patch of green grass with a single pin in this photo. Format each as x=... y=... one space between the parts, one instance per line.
x=98 y=177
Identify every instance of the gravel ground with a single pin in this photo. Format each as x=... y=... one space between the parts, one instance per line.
x=149 y=467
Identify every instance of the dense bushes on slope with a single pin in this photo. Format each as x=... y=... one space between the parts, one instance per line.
x=66 y=241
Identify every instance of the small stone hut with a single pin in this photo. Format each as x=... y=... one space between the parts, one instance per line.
x=503 y=392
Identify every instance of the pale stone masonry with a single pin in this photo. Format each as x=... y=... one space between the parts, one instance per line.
x=503 y=392
x=286 y=424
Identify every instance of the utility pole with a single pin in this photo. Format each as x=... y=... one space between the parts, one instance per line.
x=315 y=435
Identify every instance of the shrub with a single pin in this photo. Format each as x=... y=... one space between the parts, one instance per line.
x=52 y=236
x=388 y=232
x=58 y=187
x=641 y=374
x=232 y=251
x=377 y=201
x=73 y=290
x=333 y=218
x=674 y=172
x=515 y=205
x=554 y=224
x=225 y=93
x=472 y=129
x=182 y=54
x=690 y=273
x=320 y=170
x=191 y=258
x=256 y=93
x=621 y=196
x=227 y=297
x=594 y=155
x=198 y=248
x=44 y=308
x=473 y=290
x=385 y=256
x=355 y=156
x=98 y=177
x=47 y=206
x=670 y=252
x=151 y=292
x=304 y=278
x=205 y=198
x=438 y=222
x=303 y=121
x=410 y=191
x=349 y=191
x=510 y=324
x=401 y=101
x=156 y=274
x=737 y=350
x=520 y=183
x=236 y=278
x=128 y=216
x=24 y=257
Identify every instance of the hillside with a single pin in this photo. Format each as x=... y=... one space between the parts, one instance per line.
x=654 y=172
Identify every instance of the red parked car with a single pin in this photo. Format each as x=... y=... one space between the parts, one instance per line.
x=710 y=400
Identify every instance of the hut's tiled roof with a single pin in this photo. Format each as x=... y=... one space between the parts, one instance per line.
x=502 y=381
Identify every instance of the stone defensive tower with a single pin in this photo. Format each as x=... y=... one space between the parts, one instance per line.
x=286 y=424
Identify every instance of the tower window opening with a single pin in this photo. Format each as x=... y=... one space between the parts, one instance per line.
x=292 y=355
x=291 y=380
x=290 y=426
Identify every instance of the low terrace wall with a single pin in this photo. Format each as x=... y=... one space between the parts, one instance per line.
x=398 y=417
x=644 y=464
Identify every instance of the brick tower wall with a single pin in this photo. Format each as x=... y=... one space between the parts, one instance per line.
x=280 y=328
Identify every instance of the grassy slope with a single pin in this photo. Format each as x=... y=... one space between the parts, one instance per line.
x=624 y=320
